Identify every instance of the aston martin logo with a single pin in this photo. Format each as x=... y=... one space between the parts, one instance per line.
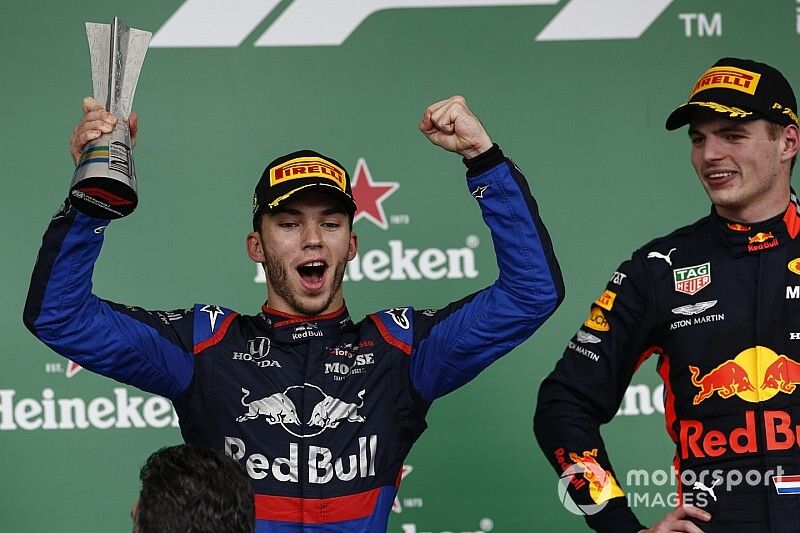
x=694 y=309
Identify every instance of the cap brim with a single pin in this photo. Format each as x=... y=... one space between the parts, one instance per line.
x=679 y=117
x=683 y=115
x=335 y=192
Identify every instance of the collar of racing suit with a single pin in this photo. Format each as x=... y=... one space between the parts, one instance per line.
x=746 y=239
x=295 y=329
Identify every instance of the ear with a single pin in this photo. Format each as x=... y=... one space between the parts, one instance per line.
x=791 y=142
x=255 y=248
x=353 y=249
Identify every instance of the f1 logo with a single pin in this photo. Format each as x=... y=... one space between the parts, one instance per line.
x=214 y=23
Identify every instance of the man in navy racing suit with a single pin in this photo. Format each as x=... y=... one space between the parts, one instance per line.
x=319 y=409
x=719 y=302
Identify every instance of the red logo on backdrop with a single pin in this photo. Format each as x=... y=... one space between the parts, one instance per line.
x=406 y=470
x=72 y=369
x=369 y=195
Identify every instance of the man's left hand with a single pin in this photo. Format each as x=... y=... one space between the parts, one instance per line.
x=451 y=125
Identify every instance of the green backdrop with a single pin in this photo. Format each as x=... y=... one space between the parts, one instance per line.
x=576 y=91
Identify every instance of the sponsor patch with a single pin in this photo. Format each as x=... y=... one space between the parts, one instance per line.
x=787 y=484
x=618 y=278
x=602 y=485
x=606 y=300
x=694 y=309
x=794 y=265
x=659 y=255
x=691 y=280
x=761 y=241
x=399 y=317
x=738 y=227
x=478 y=193
x=597 y=320
x=306 y=330
x=307 y=167
x=586 y=338
x=727 y=78
x=214 y=312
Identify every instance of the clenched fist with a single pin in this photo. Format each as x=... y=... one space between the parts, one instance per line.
x=451 y=125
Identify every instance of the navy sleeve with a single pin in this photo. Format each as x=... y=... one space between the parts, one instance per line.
x=586 y=388
x=151 y=350
x=454 y=344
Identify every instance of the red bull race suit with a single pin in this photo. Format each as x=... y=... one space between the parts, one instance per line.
x=719 y=303
x=320 y=411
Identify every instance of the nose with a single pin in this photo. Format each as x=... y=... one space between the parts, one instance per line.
x=312 y=236
x=713 y=149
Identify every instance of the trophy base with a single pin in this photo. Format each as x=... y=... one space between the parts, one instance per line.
x=103 y=197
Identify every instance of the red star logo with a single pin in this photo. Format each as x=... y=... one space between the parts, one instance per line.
x=72 y=369
x=396 y=507
x=370 y=195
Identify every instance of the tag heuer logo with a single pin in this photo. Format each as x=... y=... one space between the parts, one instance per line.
x=690 y=280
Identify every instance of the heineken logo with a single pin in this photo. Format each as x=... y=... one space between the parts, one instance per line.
x=690 y=280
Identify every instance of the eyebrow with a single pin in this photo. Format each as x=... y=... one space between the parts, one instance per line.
x=733 y=128
x=292 y=211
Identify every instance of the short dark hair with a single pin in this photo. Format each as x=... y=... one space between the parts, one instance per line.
x=190 y=488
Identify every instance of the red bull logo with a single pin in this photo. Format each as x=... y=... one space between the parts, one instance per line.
x=754 y=375
x=322 y=463
x=279 y=408
x=783 y=374
x=738 y=227
x=602 y=485
x=761 y=241
x=780 y=433
x=330 y=411
x=760 y=237
x=727 y=379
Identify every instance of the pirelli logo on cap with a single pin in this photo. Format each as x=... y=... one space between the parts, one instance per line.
x=307 y=167
x=727 y=78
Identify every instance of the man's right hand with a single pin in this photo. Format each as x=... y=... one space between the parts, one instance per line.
x=95 y=122
x=674 y=521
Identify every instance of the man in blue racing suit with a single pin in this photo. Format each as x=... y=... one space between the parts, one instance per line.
x=320 y=410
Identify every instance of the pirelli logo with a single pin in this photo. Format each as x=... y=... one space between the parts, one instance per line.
x=307 y=167
x=606 y=300
x=727 y=78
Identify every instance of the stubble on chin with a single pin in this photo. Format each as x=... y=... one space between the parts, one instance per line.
x=278 y=279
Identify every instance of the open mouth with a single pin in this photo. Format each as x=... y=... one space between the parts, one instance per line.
x=312 y=273
x=719 y=175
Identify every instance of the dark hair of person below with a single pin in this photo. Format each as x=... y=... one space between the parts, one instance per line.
x=194 y=489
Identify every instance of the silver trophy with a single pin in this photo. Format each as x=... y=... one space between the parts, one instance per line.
x=104 y=184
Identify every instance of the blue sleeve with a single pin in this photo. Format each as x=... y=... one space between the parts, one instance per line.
x=150 y=350
x=454 y=344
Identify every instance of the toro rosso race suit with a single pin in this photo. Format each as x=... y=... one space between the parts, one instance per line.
x=719 y=303
x=320 y=411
